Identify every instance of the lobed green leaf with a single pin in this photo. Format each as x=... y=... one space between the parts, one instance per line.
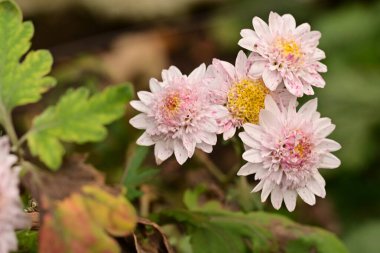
x=78 y=118
x=21 y=82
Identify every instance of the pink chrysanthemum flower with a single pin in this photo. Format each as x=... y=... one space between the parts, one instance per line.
x=286 y=150
x=11 y=214
x=242 y=93
x=177 y=115
x=286 y=53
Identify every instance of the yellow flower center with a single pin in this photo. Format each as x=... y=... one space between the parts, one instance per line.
x=245 y=100
x=299 y=149
x=172 y=103
x=289 y=48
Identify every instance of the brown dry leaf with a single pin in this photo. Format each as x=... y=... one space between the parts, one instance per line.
x=78 y=213
x=148 y=238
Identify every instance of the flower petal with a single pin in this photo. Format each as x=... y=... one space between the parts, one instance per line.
x=271 y=79
x=241 y=65
x=249 y=141
x=261 y=28
x=140 y=121
x=290 y=199
x=329 y=161
x=309 y=108
x=276 y=198
x=316 y=188
x=248 y=169
x=139 y=106
x=293 y=84
x=329 y=145
x=306 y=195
x=162 y=151
x=253 y=156
x=204 y=147
x=197 y=74
x=257 y=68
x=267 y=189
x=154 y=85
x=229 y=133
x=180 y=152
x=145 y=96
x=145 y=140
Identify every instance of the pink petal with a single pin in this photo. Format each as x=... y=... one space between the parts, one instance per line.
x=140 y=121
x=289 y=22
x=271 y=79
x=162 y=151
x=145 y=96
x=261 y=28
x=269 y=121
x=139 y=106
x=302 y=29
x=154 y=85
x=329 y=145
x=316 y=188
x=180 y=152
x=257 y=68
x=267 y=189
x=197 y=74
x=309 y=108
x=248 y=169
x=204 y=147
x=276 y=198
x=241 y=65
x=306 y=195
x=249 y=141
x=290 y=199
x=275 y=23
x=253 y=156
x=329 y=161
x=145 y=140
x=293 y=84
x=229 y=133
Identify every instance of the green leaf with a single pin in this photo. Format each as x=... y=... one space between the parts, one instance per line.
x=27 y=241
x=20 y=82
x=364 y=238
x=214 y=230
x=78 y=118
x=136 y=174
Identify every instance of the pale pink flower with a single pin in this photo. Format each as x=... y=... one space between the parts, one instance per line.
x=286 y=53
x=286 y=150
x=177 y=115
x=242 y=94
x=11 y=214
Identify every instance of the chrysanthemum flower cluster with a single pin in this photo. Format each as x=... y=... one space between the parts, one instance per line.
x=285 y=148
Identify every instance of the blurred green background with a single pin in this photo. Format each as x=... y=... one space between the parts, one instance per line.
x=97 y=43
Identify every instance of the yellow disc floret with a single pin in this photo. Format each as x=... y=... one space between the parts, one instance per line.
x=245 y=100
x=289 y=48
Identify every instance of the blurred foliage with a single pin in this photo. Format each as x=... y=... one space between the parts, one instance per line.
x=215 y=230
x=365 y=238
x=27 y=241
x=135 y=174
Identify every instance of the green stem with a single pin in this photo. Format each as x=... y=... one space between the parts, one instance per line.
x=6 y=120
x=210 y=166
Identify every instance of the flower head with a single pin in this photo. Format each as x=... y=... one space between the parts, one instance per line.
x=286 y=53
x=240 y=93
x=286 y=150
x=177 y=115
x=11 y=214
